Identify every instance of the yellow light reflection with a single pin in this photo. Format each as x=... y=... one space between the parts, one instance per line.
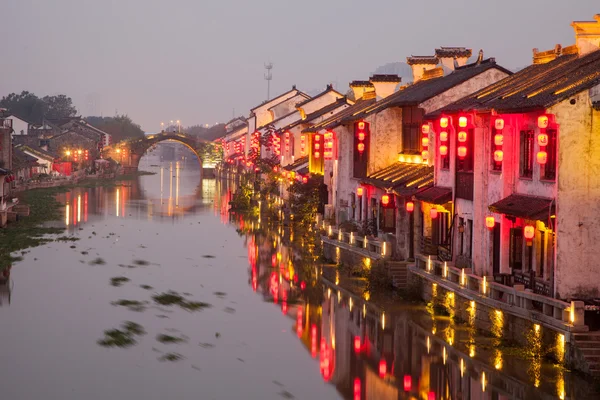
x=79 y=208
x=472 y=350
x=560 y=348
x=117 y=199
x=367 y=295
x=497 y=358
x=337 y=277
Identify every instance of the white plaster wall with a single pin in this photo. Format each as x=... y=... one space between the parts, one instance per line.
x=345 y=185
x=262 y=113
x=320 y=102
x=19 y=126
x=459 y=91
x=386 y=138
x=286 y=106
x=578 y=199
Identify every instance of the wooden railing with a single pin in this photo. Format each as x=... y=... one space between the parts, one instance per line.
x=512 y=299
x=372 y=247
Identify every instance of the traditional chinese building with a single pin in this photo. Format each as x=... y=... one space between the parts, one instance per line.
x=516 y=189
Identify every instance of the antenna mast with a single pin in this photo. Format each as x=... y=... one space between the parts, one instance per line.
x=268 y=78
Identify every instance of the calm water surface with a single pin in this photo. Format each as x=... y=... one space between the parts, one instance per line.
x=271 y=331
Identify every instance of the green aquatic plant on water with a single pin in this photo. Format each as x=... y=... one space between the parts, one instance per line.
x=124 y=337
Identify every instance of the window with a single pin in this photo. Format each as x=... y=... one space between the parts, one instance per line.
x=412 y=119
x=548 y=170
x=526 y=154
x=387 y=217
x=353 y=204
x=470 y=241
x=461 y=227
x=516 y=248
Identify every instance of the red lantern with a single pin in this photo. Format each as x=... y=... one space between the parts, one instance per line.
x=425 y=155
x=462 y=122
x=498 y=155
x=462 y=152
x=443 y=136
x=361 y=147
x=361 y=125
x=361 y=136
x=543 y=121
x=357 y=344
x=490 y=222
x=357 y=390
x=499 y=139
x=542 y=157
x=410 y=206
x=425 y=141
x=433 y=213
x=529 y=232
x=462 y=136
x=543 y=139
x=444 y=122
x=385 y=199
x=499 y=124
x=425 y=129
x=443 y=150
x=431 y=396
x=359 y=191
x=317 y=154
x=382 y=368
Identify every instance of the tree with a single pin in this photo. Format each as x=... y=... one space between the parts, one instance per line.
x=120 y=127
x=212 y=133
x=31 y=108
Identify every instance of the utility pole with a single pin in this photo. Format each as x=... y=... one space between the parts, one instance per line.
x=268 y=78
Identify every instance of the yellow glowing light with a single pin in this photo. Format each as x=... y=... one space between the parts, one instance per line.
x=79 y=208
x=572 y=313
x=536 y=327
x=68 y=153
x=463 y=278
x=337 y=277
x=483 y=382
x=118 y=151
x=328 y=293
x=79 y=151
x=497 y=359
x=339 y=296
x=67 y=213
x=364 y=310
x=367 y=262
x=383 y=249
x=471 y=350
x=428 y=345
x=445 y=273
x=484 y=285
x=462 y=367
x=367 y=295
x=560 y=347
x=444 y=355
x=117 y=198
x=350 y=304
x=383 y=321
x=429 y=263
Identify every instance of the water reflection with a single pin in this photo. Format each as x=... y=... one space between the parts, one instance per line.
x=403 y=352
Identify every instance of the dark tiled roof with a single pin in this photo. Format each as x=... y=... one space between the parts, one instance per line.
x=241 y=118
x=414 y=60
x=4 y=171
x=298 y=163
x=323 y=93
x=403 y=178
x=20 y=159
x=335 y=120
x=453 y=52
x=435 y=195
x=361 y=84
x=38 y=151
x=426 y=89
x=328 y=108
x=279 y=119
x=538 y=86
x=522 y=206
x=385 y=78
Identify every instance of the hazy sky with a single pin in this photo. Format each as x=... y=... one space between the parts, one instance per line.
x=197 y=60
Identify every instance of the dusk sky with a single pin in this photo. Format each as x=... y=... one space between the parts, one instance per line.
x=196 y=61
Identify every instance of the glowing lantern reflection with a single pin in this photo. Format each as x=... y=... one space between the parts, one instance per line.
x=542 y=157
x=410 y=206
x=385 y=199
x=490 y=222
x=499 y=124
x=498 y=139
x=543 y=121
x=444 y=122
x=462 y=152
x=462 y=136
x=382 y=368
x=431 y=396
x=357 y=389
x=543 y=139
x=498 y=155
x=433 y=213
x=313 y=340
x=299 y=322
x=443 y=136
x=443 y=150
x=462 y=122
x=357 y=344
x=359 y=191
x=407 y=383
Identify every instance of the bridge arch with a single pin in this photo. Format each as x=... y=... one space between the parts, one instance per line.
x=129 y=152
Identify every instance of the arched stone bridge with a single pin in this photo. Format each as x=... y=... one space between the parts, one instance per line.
x=129 y=152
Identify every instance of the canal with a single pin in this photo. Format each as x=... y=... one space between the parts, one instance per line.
x=167 y=295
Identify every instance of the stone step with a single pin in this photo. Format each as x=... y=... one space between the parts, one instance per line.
x=587 y=336
x=590 y=351
x=587 y=344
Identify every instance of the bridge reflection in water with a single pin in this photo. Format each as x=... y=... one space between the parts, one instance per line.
x=394 y=352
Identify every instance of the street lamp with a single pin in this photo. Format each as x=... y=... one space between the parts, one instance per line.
x=178 y=126
x=162 y=126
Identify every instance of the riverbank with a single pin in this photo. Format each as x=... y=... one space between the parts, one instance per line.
x=32 y=231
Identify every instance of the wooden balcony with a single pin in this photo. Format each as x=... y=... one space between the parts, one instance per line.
x=464 y=185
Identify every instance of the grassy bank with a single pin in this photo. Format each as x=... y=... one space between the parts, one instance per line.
x=28 y=232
